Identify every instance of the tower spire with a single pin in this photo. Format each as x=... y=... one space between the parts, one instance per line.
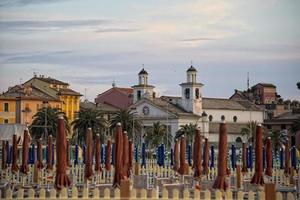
x=248 y=80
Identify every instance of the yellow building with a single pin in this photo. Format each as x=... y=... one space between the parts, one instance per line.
x=7 y=110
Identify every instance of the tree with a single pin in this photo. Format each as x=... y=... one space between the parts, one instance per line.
x=278 y=138
x=130 y=122
x=249 y=131
x=188 y=130
x=89 y=119
x=157 y=134
x=49 y=115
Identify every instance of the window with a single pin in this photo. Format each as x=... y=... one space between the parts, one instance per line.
x=197 y=93
x=283 y=126
x=5 y=107
x=235 y=118
x=187 y=93
x=139 y=95
x=269 y=126
x=210 y=118
x=5 y=121
x=222 y=117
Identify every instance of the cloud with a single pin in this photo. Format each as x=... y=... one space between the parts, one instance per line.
x=116 y=30
x=12 y=3
x=197 y=39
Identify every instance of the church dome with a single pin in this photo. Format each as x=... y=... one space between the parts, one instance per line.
x=191 y=69
x=143 y=71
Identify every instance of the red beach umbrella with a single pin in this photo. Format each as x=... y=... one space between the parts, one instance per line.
x=61 y=179
x=130 y=157
x=197 y=158
x=108 y=155
x=287 y=152
x=269 y=157
x=176 y=156
x=125 y=155
x=244 y=159
x=25 y=153
x=4 y=156
x=50 y=154
x=118 y=156
x=39 y=161
x=68 y=154
x=183 y=165
x=97 y=155
x=258 y=175
x=89 y=155
x=14 y=166
x=206 y=157
x=221 y=182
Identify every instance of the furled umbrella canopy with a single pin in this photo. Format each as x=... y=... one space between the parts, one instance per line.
x=50 y=154
x=61 y=179
x=125 y=155
x=176 y=156
x=206 y=157
x=197 y=158
x=39 y=164
x=118 y=156
x=25 y=153
x=68 y=154
x=269 y=157
x=183 y=165
x=130 y=157
x=287 y=154
x=4 y=156
x=108 y=155
x=97 y=155
x=258 y=175
x=221 y=182
x=89 y=155
x=244 y=158
x=14 y=166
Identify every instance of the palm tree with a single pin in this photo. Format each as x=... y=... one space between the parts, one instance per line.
x=46 y=118
x=249 y=130
x=278 y=138
x=188 y=130
x=157 y=134
x=89 y=118
x=130 y=122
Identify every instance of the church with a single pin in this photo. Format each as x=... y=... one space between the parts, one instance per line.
x=192 y=107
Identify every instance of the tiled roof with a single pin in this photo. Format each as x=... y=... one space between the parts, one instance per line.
x=125 y=90
x=264 y=84
x=51 y=80
x=100 y=106
x=67 y=91
x=217 y=103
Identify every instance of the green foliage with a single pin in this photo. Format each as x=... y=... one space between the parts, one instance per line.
x=278 y=138
x=188 y=130
x=50 y=115
x=249 y=130
x=130 y=122
x=157 y=134
x=88 y=119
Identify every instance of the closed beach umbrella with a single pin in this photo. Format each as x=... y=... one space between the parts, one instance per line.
x=183 y=165
x=269 y=157
x=176 y=156
x=68 y=154
x=89 y=155
x=4 y=156
x=258 y=175
x=25 y=153
x=14 y=165
x=197 y=158
x=221 y=182
x=294 y=157
x=130 y=157
x=205 y=157
x=212 y=157
x=250 y=157
x=108 y=155
x=143 y=155
x=244 y=158
x=287 y=153
x=9 y=153
x=76 y=155
x=172 y=157
x=97 y=155
x=61 y=179
x=39 y=164
x=281 y=158
x=118 y=155
x=125 y=156
x=189 y=152
x=233 y=157
x=50 y=153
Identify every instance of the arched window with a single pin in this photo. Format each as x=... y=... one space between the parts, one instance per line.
x=187 y=93
x=139 y=95
x=197 y=93
x=235 y=118
x=210 y=118
x=222 y=117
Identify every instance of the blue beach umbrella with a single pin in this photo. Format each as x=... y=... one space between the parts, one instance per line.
x=143 y=155
x=250 y=157
x=113 y=150
x=233 y=157
x=83 y=153
x=294 y=157
x=163 y=155
x=76 y=155
x=281 y=158
x=189 y=154
x=212 y=157
x=172 y=157
x=136 y=153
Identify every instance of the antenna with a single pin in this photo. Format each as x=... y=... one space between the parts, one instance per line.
x=114 y=83
x=20 y=81
x=248 y=80
x=191 y=62
x=34 y=72
x=85 y=99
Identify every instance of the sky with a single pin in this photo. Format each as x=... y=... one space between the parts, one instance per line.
x=92 y=43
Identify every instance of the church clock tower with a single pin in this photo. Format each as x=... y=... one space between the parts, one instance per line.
x=143 y=89
x=191 y=93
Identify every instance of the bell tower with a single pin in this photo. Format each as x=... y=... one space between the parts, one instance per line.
x=142 y=89
x=191 y=93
